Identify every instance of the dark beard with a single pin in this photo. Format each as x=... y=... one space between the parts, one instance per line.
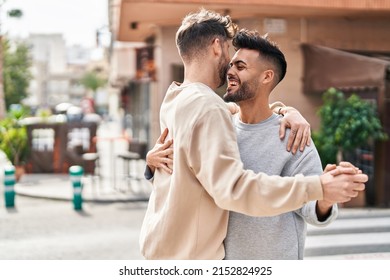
x=243 y=93
x=222 y=74
x=223 y=69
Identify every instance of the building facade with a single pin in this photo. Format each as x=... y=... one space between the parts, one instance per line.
x=360 y=27
x=57 y=70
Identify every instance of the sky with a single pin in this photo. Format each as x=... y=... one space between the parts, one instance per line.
x=77 y=20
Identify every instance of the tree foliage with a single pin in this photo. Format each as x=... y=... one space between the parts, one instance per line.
x=346 y=124
x=16 y=72
x=91 y=80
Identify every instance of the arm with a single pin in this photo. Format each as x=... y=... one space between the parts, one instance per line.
x=320 y=212
x=214 y=160
x=323 y=208
x=326 y=211
x=300 y=129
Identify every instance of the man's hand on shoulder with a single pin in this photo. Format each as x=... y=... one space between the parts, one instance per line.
x=300 y=135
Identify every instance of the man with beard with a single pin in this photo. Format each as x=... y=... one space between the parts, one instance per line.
x=188 y=210
x=255 y=69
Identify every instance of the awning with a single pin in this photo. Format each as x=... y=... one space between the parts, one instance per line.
x=326 y=67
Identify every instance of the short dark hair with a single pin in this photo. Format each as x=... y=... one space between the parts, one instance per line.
x=246 y=39
x=199 y=29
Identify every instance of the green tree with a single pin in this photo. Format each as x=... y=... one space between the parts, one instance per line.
x=16 y=72
x=15 y=13
x=92 y=80
x=346 y=124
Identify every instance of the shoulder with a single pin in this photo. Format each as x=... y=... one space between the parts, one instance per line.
x=307 y=162
x=200 y=98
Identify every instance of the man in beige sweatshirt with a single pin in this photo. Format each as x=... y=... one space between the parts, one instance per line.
x=187 y=213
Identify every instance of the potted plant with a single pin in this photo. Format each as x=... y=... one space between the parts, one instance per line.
x=346 y=124
x=14 y=140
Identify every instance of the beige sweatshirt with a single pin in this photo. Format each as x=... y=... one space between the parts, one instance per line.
x=187 y=213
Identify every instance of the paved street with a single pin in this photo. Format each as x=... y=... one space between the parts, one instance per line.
x=48 y=229
x=51 y=229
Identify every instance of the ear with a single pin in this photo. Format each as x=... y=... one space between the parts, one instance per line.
x=217 y=47
x=268 y=76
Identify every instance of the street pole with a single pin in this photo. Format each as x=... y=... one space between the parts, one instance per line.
x=76 y=173
x=9 y=183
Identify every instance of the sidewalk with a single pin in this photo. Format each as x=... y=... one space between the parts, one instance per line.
x=111 y=186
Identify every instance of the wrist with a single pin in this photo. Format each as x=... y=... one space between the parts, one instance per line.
x=149 y=163
x=323 y=210
x=324 y=205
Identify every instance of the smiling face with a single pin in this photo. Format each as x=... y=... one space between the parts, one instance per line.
x=244 y=76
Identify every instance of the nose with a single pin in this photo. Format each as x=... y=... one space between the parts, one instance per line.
x=230 y=71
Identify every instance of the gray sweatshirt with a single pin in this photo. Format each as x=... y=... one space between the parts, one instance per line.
x=278 y=237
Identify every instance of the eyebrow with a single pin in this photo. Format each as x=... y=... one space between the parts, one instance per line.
x=238 y=61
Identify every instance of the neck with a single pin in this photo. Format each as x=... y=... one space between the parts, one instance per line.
x=254 y=110
x=196 y=72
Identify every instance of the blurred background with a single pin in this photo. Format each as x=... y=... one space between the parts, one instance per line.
x=82 y=82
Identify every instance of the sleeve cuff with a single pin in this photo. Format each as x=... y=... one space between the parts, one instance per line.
x=311 y=215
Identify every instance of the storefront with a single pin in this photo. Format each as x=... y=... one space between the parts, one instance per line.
x=368 y=77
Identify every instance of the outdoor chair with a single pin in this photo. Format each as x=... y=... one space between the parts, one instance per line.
x=130 y=158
